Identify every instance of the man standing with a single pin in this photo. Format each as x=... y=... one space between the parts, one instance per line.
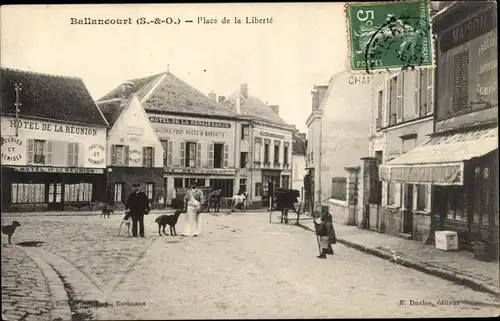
x=138 y=204
x=215 y=199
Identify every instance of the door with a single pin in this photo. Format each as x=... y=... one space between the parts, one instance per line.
x=408 y=211
x=55 y=196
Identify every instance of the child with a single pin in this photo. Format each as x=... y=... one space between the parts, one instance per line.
x=326 y=234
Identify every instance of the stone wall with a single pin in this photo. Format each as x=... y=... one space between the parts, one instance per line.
x=338 y=210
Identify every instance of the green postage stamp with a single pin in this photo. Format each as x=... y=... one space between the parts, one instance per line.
x=389 y=35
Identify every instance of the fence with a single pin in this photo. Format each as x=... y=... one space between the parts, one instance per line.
x=339 y=188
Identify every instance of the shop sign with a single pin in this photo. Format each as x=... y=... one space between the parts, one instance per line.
x=488 y=67
x=200 y=171
x=48 y=127
x=266 y=134
x=189 y=122
x=64 y=170
x=135 y=156
x=192 y=132
x=11 y=149
x=97 y=152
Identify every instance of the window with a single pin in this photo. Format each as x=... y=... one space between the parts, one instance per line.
x=119 y=155
x=460 y=98
x=285 y=154
x=245 y=131
x=150 y=187
x=27 y=193
x=276 y=152
x=225 y=185
x=422 y=204
x=74 y=193
x=456 y=203
x=243 y=159
x=190 y=154
x=118 y=192
x=178 y=182
x=380 y=103
x=266 y=153
x=394 y=194
x=243 y=185
x=257 y=150
x=36 y=151
x=258 y=189
x=55 y=192
x=147 y=156
x=218 y=155
x=167 y=152
x=73 y=154
x=393 y=100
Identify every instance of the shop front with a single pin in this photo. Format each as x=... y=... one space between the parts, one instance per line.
x=36 y=188
x=270 y=179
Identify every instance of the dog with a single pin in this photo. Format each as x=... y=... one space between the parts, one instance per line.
x=127 y=220
x=107 y=211
x=171 y=220
x=10 y=229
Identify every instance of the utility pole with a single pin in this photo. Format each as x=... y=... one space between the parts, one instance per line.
x=17 y=104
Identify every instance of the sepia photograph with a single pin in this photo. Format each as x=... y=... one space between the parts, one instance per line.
x=249 y=160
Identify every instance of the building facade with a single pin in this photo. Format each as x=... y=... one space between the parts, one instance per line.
x=135 y=153
x=264 y=147
x=338 y=132
x=53 y=150
x=299 y=162
x=460 y=160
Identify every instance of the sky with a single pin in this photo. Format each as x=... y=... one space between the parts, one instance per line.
x=280 y=61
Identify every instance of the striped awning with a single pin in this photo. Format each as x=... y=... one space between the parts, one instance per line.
x=441 y=159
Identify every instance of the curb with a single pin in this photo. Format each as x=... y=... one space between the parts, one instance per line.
x=59 y=296
x=420 y=266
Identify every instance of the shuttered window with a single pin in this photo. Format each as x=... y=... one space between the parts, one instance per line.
x=182 y=156
x=198 y=154
x=226 y=155
x=211 y=155
x=164 y=145
x=400 y=100
x=119 y=155
x=147 y=156
x=460 y=80
x=73 y=154
x=170 y=153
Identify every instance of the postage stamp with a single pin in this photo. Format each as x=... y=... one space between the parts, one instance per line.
x=389 y=36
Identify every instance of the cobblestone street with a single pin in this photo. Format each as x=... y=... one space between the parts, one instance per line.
x=240 y=267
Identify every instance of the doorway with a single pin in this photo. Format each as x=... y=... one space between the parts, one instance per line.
x=54 y=196
x=408 y=211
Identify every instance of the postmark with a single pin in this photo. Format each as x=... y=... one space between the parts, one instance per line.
x=389 y=36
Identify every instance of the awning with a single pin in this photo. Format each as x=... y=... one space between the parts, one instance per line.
x=440 y=160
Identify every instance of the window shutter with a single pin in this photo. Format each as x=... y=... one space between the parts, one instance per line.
x=399 y=93
x=418 y=75
x=76 y=153
x=456 y=81
x=464 y=79
x=70 y=154
x=144 y=157
x=387 y=104
x=169 y=153
x=31 y=151
x=152 y=157
x=430 y=91
x=50 y=152
x=198 y=154
x=113 y=154
x=182 y=157
x=211 y=155
x=226 y=155
x=126 y=152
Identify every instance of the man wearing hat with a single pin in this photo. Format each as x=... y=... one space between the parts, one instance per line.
x=138 y=204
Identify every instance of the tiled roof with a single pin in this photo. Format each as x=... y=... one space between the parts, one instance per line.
x=175 y=95
x=171 y=94
x=46 y=96
x=299 y=145
x=111 y=109
x=254 y=107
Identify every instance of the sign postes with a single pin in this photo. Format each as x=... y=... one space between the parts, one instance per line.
x=11 y=149
x=97 y=152
x=68 y=170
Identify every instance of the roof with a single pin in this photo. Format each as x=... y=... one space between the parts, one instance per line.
x=111 y=109
x=165 y=92
x=299 y=145
x=253 y=107
x=58 y=98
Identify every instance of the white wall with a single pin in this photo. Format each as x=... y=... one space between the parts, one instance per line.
x=298 y=172
x=91 y=142
x=132 y=128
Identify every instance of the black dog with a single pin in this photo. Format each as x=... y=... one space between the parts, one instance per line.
x=171 y=220
x=10 y=229
x=107 y=211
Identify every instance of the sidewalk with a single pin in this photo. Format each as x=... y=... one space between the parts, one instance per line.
x=457 y=266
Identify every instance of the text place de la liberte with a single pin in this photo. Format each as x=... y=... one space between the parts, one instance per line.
x=170 y=20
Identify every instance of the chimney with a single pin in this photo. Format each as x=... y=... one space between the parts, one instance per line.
x=244 y=90
x=212 y=96
x=275 y=108
x=317 y=95
x=221 y=99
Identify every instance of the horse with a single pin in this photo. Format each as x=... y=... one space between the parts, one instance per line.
x=285 y=200
x=239 y=199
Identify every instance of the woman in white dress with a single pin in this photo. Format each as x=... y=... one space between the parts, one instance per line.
x=193 y=201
